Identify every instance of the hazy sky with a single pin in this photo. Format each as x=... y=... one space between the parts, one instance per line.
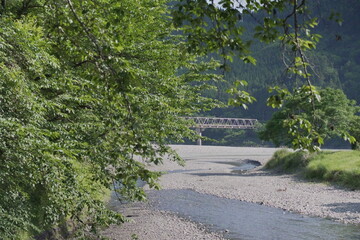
x=243 y=2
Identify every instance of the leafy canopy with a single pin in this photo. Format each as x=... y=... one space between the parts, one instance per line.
x=91 y=92
x=304 y=124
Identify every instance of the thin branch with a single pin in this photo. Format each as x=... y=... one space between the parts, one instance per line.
x=298 y=47
x=91 y=37
x=302 y=55
x=83 y=62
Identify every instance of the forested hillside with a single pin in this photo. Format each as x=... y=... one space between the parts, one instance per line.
x=335 y=63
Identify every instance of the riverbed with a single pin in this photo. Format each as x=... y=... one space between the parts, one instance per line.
x=215 y=172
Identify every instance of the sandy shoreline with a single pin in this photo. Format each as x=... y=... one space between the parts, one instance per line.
x=208 y=170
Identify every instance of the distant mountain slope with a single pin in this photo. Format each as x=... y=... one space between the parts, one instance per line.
x=336 y=60
x=336 y=63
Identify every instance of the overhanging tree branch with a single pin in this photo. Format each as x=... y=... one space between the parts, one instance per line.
x=3 y=5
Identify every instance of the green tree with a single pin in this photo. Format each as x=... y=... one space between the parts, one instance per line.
x=355 y=131
x=91 y=92
x=301 y=123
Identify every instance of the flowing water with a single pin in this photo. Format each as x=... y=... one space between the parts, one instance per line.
x=243 y=220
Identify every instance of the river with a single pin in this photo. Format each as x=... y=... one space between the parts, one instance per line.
x=219 y=188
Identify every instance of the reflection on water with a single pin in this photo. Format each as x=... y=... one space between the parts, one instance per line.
x=243 y=220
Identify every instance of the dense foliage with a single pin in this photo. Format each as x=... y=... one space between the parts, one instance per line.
x=331 y=115
x=88 y=88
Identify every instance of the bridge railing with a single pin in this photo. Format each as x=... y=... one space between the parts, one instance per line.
x=212 y=122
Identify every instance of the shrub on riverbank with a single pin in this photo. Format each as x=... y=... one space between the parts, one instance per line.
x=287 y=161
x=342 y=167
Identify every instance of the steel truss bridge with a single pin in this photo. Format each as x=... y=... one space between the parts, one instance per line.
x=212 y=122
x=201 y=123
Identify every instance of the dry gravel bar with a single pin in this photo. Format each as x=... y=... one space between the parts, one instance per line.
x=207 y=171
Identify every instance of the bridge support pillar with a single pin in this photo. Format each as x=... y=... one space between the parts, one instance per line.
x=199 y=132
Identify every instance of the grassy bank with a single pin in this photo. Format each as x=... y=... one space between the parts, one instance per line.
x=341 y=167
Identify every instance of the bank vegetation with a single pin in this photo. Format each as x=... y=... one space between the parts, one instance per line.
x=335 y=167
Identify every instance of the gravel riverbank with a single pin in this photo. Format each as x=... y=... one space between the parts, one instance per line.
x=148 y=224
x=209 y=170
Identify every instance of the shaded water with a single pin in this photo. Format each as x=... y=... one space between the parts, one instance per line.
x=243 y=220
